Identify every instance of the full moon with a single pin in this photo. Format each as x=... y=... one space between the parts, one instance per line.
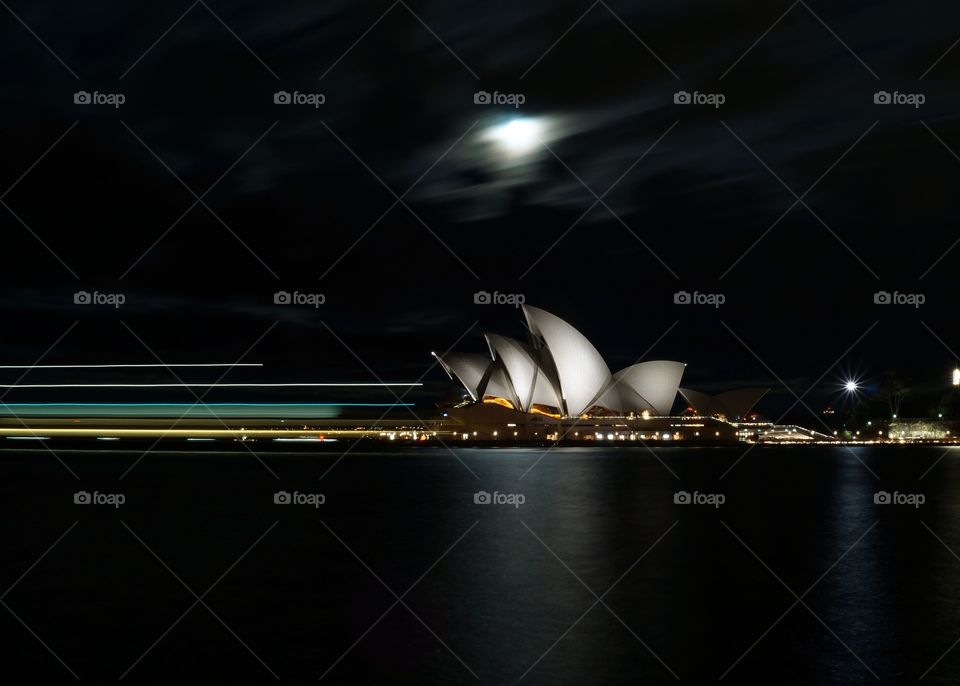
x=518 y=136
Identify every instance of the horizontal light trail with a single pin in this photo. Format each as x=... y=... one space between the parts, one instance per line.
x=3 y=404
x=305 y=440
x=195 y=434
x=226 y=410
x=209 y=385
x=127 y=366
x=201 y=410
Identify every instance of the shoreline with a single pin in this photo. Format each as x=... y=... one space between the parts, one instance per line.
x=366 y=444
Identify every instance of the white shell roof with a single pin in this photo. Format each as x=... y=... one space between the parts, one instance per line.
x=562 y=369
x=467 y=368
x=497 y=384
x=650 y=385
x=531 y=384
x=581 y=371
x=734 y=405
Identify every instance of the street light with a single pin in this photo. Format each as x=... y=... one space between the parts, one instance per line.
x=956 y=376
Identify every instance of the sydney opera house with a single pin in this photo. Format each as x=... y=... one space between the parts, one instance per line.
x=557 y=386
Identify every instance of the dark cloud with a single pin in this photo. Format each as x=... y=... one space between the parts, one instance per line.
x=308 y=199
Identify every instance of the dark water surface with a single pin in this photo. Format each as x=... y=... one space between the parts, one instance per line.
x=494 y=593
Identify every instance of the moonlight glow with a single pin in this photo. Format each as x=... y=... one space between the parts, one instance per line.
x=518 y=136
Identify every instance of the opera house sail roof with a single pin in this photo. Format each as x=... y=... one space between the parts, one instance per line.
x=581 y=370
x=467 y=368
x=560 y=372
x=733 y=405
x=654 y=383
x=530 y=382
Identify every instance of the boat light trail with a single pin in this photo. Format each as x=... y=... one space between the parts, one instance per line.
x=209 y=385
x=128 y=366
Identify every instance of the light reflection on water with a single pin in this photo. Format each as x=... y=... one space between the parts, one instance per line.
x=523 y=577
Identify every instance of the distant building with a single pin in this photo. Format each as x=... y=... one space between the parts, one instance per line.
x=919 y=429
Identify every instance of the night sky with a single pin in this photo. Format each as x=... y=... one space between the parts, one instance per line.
x=198 y=198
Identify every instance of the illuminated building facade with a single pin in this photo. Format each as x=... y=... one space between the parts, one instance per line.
x=558 y=385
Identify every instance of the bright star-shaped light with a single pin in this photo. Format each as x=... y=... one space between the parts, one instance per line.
x=851 y=386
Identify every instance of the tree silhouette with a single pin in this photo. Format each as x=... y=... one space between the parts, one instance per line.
x=894 y=387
